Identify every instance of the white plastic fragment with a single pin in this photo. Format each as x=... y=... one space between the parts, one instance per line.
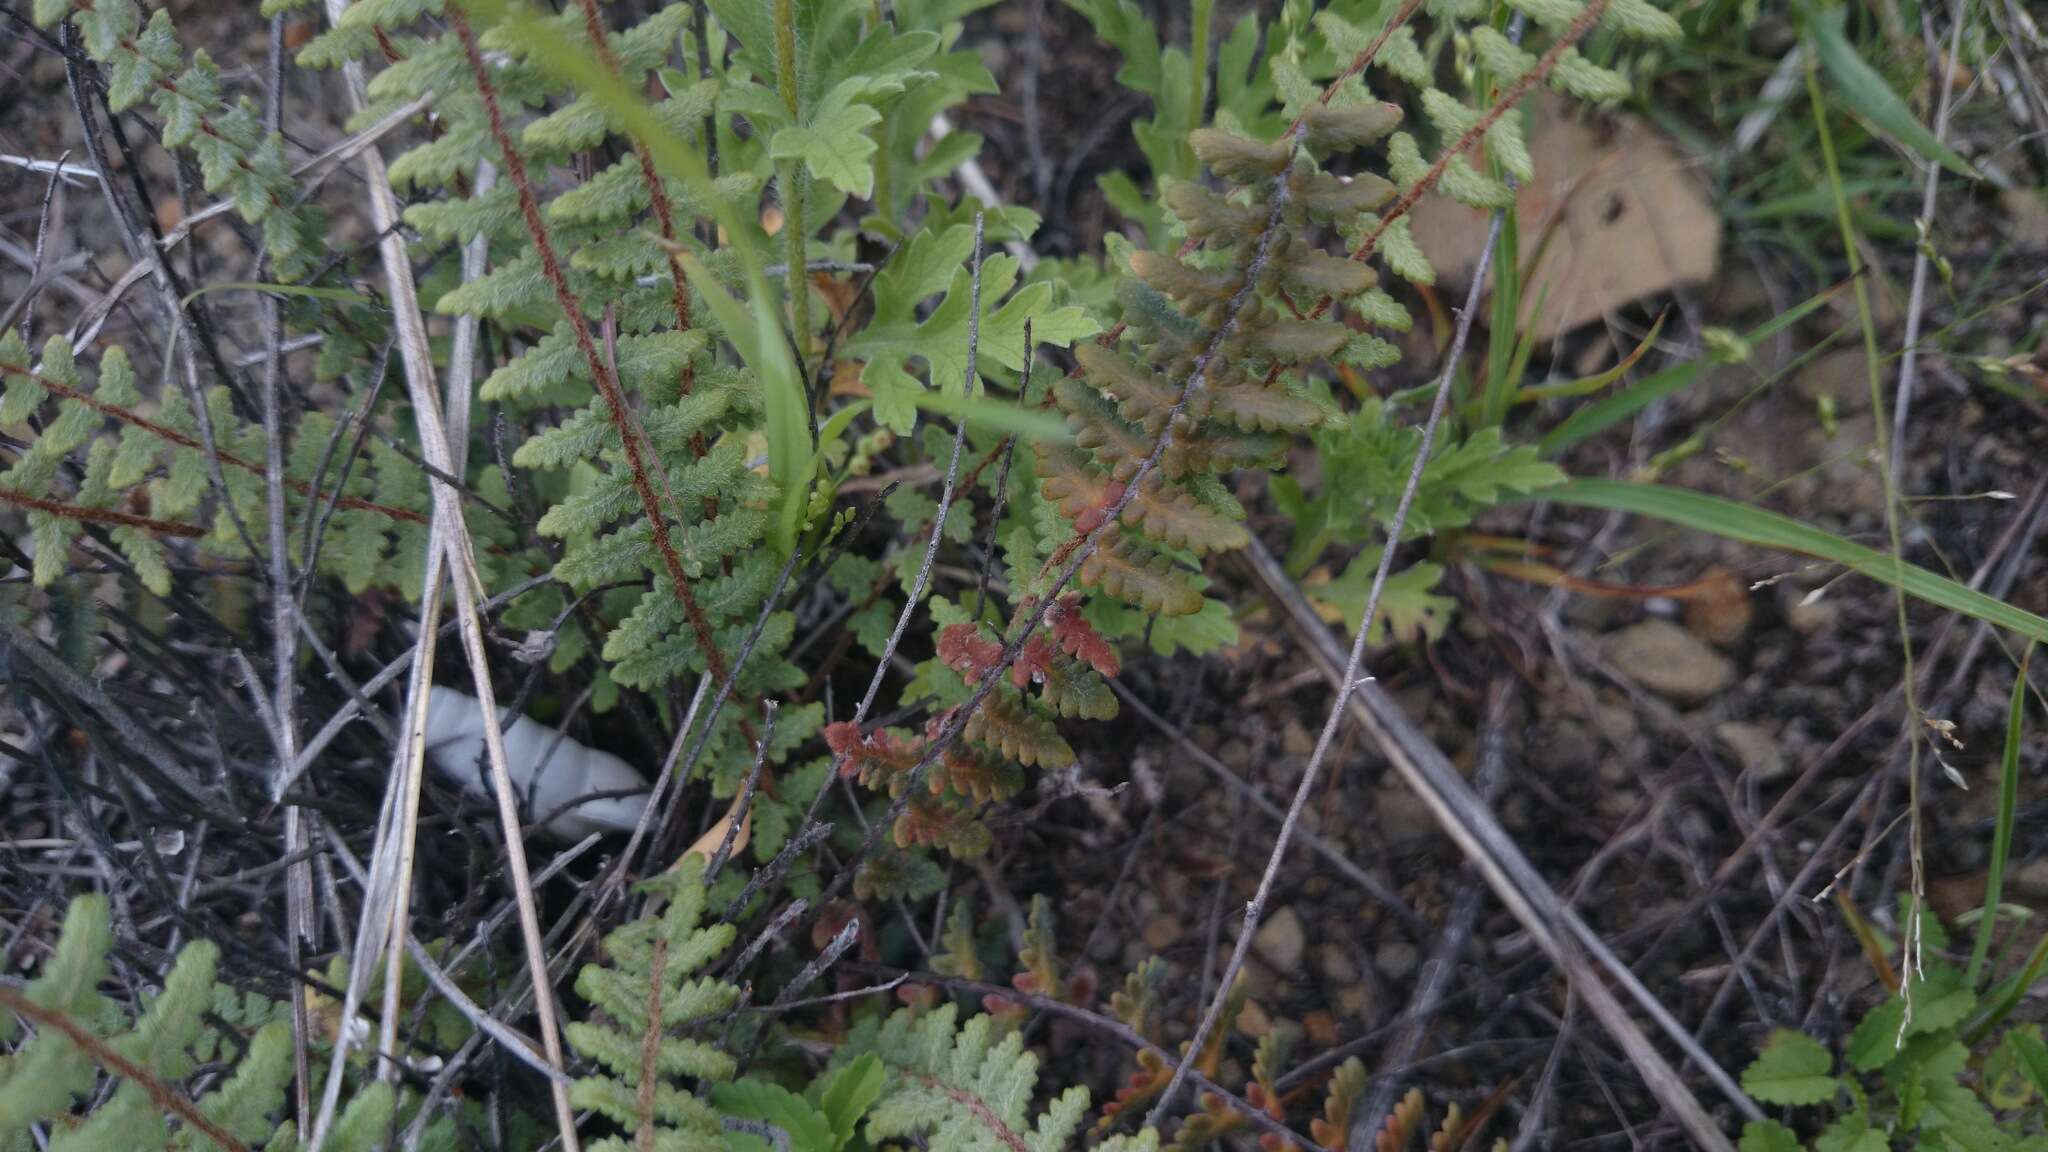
x=455 y=739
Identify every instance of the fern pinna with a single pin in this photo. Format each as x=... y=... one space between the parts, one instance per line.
x=237 y=159
x=47 y=1085
x=647 y=990
x=143 y=476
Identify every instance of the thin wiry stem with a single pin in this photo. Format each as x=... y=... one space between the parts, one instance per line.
x=742 y=807
x=1913 y=944
x=299 y=878
x=300 y=926
x=1343 y=865
x=138 y=228
x=1916 y=301
x=1002 y=490
x=172 y=290
x=931 y=548
x=318 y=512
x=675 y=771
x=656 y=796
x=39 y=275
x=521 y=1048
x=783 y=919
x=462 y=350
x=847 y=935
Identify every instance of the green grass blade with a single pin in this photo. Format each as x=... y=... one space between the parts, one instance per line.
x=756 y=333
x=304 y=291
x=755 y=329
x=2008 y=805
x=1605 y=413
x=1587 y=385
x=1860 y=89
x=1751 y=525
x=998 y=416
x=1507 y=307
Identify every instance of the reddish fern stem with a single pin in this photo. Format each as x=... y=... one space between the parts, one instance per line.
x=650 y=1049
x=1508 y=99
x=600 y=375
x=164 y=432
x=982 y=1112
x=1360 y=62
x=106 y=516
x=664 y=215
x=657 y=193
x=167 y=1098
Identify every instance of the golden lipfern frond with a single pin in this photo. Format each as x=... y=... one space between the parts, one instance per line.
x=1022 y=735
x=1402 y=1124
x=1135 y=573
x=1347 y=1085
x=1218 y=338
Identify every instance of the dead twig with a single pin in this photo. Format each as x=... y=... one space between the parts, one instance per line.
x=1554 y=927
x=452 y=544
x=1944 y=72
x=1353 y=674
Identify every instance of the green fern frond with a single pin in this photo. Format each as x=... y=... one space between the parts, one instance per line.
x=236 y=159
x=124 y=462
x=81 y=1035
x=962 y=1088
x=646 y=994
